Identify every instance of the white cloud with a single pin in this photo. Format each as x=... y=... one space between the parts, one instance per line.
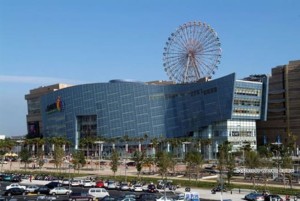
x=36 y=80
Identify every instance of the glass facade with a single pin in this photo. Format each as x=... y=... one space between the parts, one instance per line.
x=120 y=108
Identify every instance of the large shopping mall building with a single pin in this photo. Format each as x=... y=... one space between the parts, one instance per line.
x=220 y=109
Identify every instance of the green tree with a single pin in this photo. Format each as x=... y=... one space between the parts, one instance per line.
x=252 y=160
x=155 y=143
x=194 y=161
x=148 y=162
x=138 y=157
x=264 y=151
x=58 y=155
x=265 y=163
x=114 y=161
x=87 y=142
x=164 y=161
x=78 y=160
x=25 y=157
x=40 y=158
x=226 y=160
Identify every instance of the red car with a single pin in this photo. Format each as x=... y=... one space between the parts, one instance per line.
x=99 y=184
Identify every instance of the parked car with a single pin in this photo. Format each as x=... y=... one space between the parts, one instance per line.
x=254 y=197
x=14 y=185
x=218 y=188
x=126 y=199
x=99 y=184
x=15 y=191
x=152 y=188
x=65 y=182
x=272 y=197
x=147 y=197
x=165 y=198
x=75 y=182
x=130 y=195
x=16 y=179
x=42 y=190
x=60 y=191
x=124 y=187
x=180 y=197
x=31 y=189
x=137 y=188
x=80 y=197
x=7 y=177
x=88 y=183
x=111 y=185
x=53 y=184
x=98 y=192
x=109 y=198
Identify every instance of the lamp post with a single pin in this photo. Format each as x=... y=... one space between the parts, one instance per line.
x=100 y=145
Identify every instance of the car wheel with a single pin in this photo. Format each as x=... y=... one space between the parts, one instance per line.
x=8 y=194
x=73 y=199
x=53 y=193
x=67 y=193
x=23 y=193
x=38 y=192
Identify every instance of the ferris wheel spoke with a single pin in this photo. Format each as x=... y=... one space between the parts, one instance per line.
x=179 y=44
x=207 y=67
x=208 y=52
x=185 y=33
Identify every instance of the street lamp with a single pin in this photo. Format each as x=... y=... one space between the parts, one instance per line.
x=125 y=161
x=100 y=145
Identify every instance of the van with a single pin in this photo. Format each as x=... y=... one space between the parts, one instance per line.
x=98 y=192
x=191 y=196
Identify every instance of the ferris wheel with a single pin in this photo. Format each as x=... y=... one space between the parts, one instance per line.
x=192 y=52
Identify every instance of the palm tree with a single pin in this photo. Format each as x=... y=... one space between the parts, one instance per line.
x=155 y=143
x=87 y=142
x=174 y=142
x=205 y=143
x=6 y=146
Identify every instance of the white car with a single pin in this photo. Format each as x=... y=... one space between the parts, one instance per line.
x=60 y=191
x=88 y=183
x=138 y=188
x=31 y=189
x=14 y=185
x=65 y=182
x=98 y=192
x=111 y=185
x=124 y=187
x=75 y=182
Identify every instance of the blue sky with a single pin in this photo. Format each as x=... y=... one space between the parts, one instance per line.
x=71 y=41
